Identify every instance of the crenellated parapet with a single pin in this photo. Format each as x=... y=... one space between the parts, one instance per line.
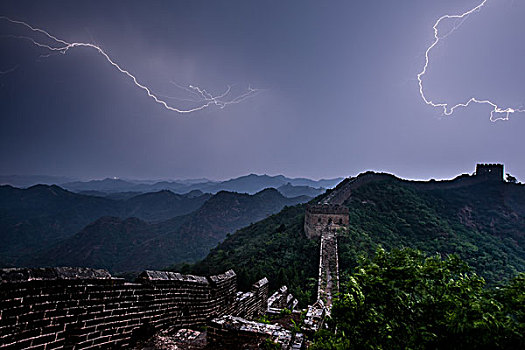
x=13 y=275
x=89 y=308
x=490 y=171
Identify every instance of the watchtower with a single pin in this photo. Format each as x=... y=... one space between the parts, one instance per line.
x=493 y=172
x=320 y=216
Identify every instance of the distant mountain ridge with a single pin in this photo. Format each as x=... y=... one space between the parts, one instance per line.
x=42 y=215
x=244 y=184
x=132 y=244
x=31 y=180
x=289 y=190
x=47 y=225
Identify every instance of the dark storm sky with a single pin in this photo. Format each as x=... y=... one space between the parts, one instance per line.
x=339 y=97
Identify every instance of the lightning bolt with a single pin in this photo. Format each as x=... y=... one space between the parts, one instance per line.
x=4 y=72
x=497 y=112
x=201 y=96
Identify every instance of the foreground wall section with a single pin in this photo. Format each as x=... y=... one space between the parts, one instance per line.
x=235 y=333
x=88 y=308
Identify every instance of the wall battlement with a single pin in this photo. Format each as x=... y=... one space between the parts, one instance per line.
x=57 y=273
x=327 y=209
x=88 y=308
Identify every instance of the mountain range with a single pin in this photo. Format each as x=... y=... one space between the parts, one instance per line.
x=481 y=221
x=48 y=226
x=42 y=215
x=262 y=234
x=132 y=244
x=245 y=184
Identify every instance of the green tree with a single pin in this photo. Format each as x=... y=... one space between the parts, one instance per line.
x=511 y=178
x=403 y=299
x=269 y=344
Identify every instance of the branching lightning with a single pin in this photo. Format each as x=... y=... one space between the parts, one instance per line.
x=4 y=72
x=497 y=112
x=203 y=98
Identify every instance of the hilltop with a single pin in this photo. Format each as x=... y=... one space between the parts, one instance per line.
x=50 y=226
x=482 y=221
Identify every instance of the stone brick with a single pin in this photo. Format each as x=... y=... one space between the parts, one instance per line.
x=320 y=216
x=87 y=308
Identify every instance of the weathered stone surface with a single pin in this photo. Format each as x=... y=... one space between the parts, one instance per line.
x=314 y=318
x=319 y=216
x=87 y=308
x=229 y=332
x=225 y=276
x=328 y=283
x=149 y=275
x=324 y=220
x=260 y=283
x=281 y=299
x=24 y=274
x=174 y=339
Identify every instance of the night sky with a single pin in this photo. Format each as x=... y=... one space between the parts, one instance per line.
x=337 y=79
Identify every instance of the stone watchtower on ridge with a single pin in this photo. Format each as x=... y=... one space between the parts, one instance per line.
x=320 y=216
x=493 y=172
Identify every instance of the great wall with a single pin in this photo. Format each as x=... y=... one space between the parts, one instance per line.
x=329 y=216
x=81 y=308
x=86 y=308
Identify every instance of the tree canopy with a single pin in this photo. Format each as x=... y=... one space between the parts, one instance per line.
x=403 y=299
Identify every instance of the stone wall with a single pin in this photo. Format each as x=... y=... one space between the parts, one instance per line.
x=281 y=299
x=229 y=332
x=250 y=304
x=328 y=282
x=319 y=216
x=87 y=308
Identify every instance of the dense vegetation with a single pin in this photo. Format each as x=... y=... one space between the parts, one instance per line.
x=275 y=248
x=49 y=226
x=483 y=223
x=40 y=216
x=121 y=245
x=403 y=299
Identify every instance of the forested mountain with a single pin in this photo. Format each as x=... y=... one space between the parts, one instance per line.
x=289 y=190
x=275 y=248
x=162 y=205
x=482 y=222
x=132 y=244
x=35 y=219
x=42 y=215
